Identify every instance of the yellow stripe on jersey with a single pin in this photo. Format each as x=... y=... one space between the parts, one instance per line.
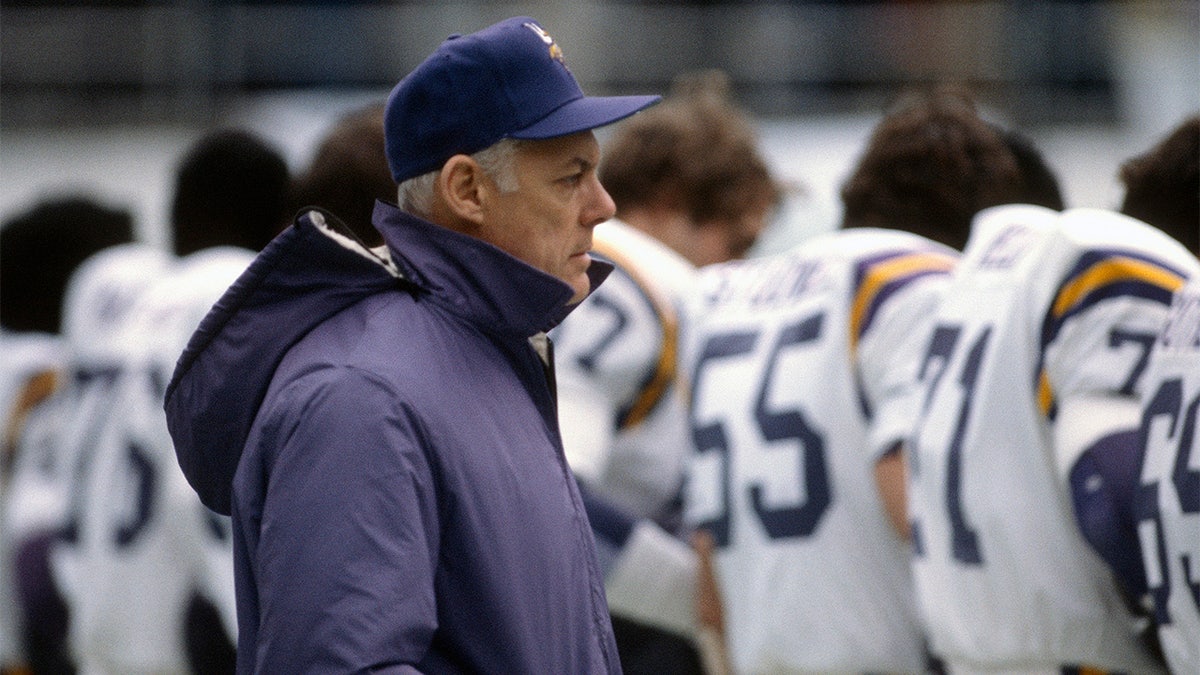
x=1111 y=270
x=1105 y=272
x=1045 y=396
x=882 y=275
x=664 y=372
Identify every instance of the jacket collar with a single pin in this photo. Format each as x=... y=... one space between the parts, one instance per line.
x=311 y=271
x=475 y=279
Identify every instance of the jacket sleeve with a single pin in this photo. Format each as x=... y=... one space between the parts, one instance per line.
x=348 y=537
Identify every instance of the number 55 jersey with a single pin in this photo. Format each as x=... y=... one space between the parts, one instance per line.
x=802 y=369
x=1046 y=314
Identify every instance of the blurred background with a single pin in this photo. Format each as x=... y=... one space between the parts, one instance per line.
x=102 y=96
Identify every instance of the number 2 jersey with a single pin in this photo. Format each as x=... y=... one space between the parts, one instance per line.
x=1043 y=308
x=802 y=370
x=616 y=357
x=1168 y=501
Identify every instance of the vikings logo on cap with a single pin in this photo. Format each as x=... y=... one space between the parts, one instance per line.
x=555 y=51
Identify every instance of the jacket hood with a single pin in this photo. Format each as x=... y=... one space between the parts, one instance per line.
x=311 y=271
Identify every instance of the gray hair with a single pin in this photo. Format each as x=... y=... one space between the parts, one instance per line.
x=498 y=161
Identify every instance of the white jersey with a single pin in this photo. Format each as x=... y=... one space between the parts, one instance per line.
x=1168 y=502
x=27 y=360
x=803 y=367
x=145 y=544
x=1042 y=310
x=22 y=356
x=99 y=297
x=616 y=356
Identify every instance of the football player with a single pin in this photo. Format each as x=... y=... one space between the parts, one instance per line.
x=690 y=188
x=144 y=553
x=41 y=248
x=1167 y=503
x=803 y=367
x=1040 y=343
x=1161 y=188
x=146 y=568
x=39 y=505
x=1032 y=379
x=800 y=372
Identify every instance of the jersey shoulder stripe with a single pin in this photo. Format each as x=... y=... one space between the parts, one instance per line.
x=659 y=380
x=1099 y=275
x=879 y=277
x=1103 y=274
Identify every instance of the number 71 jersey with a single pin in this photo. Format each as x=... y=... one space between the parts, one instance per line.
x=802 y=369
x=1043 y=308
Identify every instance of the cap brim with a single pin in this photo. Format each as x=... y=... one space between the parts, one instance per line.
x=585 y=113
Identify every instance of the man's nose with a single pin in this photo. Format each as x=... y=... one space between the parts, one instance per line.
x=600 y=206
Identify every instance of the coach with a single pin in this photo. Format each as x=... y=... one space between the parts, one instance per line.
x=381 y=424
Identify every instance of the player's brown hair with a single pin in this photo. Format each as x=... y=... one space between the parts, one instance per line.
x=929 y=166
x=1162 y=186
x=1039 y=182
x=696 y=149
x=349 y=171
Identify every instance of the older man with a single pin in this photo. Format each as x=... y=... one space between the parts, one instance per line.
x=381 y=422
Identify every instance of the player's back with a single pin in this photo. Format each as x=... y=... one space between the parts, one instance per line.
x=1042 y=308
x=145 y=544
x=800 y=382
x=1168 y=501
x=97 y=300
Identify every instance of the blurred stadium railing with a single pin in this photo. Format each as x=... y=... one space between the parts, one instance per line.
x=104 y=61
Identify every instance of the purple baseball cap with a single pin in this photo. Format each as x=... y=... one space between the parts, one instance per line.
x=508 y=80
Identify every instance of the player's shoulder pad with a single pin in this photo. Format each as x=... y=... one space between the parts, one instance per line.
x=1116 y=255
x=885 y=263
x=101 y=295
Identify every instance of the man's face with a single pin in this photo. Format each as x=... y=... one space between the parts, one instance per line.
x=547 y=221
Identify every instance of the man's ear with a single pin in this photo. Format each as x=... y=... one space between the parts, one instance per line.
x=462 y=183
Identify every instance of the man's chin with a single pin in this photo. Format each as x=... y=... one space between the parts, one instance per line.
x=581 y=285
x=579 y=296
x=580 y=282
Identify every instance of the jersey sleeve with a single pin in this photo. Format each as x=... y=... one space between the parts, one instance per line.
x=891 y=318
x=1099 y=460
x=1096 y=340
x=615 y=357
x=1101 y=324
